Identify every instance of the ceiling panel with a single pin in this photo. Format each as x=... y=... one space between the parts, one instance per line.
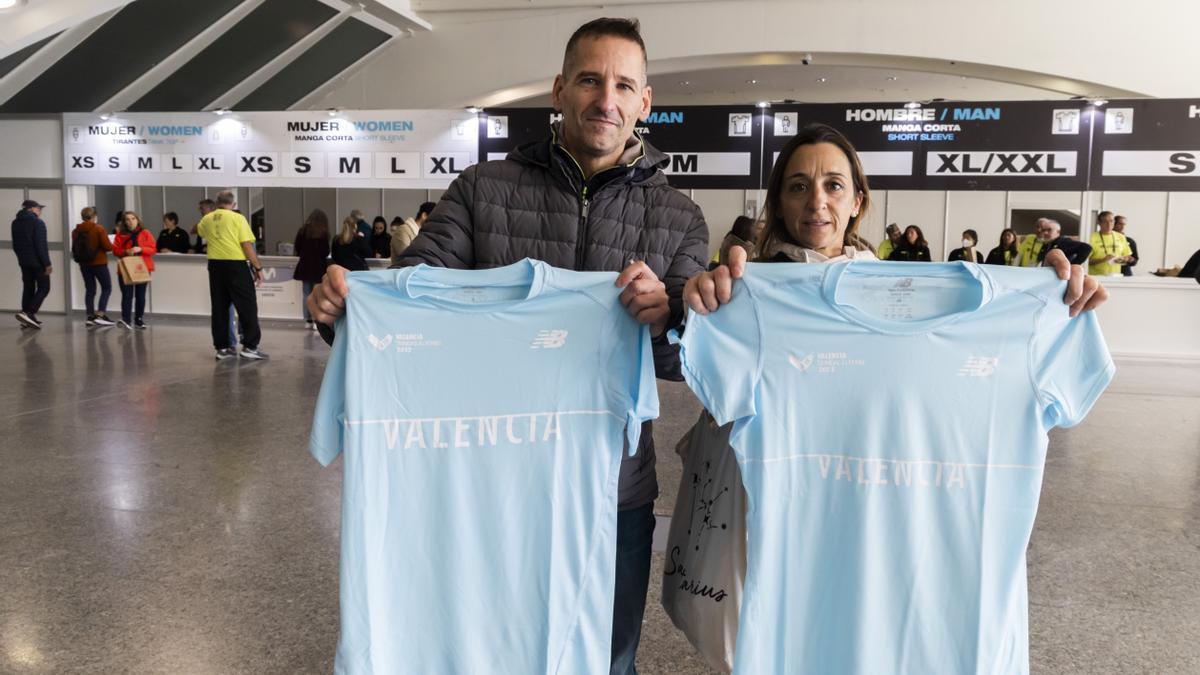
x=337 y=51
x=138 y=36
x=265 y=33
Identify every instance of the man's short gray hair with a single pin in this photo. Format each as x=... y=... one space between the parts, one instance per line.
x=1054 y=224
x=226 y=198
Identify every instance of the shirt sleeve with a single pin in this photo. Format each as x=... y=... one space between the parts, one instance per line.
x=244 y=233
x=644 y=392
x=1071 y=364
x=722 y=357
x=325 y=439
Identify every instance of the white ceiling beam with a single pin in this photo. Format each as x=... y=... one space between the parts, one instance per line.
x=39 y=20
x=31 y=68
x=272 y=67
x=333 y=82
x=186 y=52
x=397 y=13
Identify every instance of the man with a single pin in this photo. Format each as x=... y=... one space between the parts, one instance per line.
x=33 y=256
x=1132 y=258
x=1050 y=238
x=360 y=218
x=205 y=206
x=1110 y=250
x=590 y=197
x=888 y=245
x=403 y=235
x=230 y=246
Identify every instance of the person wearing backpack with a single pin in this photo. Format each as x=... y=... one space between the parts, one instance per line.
x=89 y=248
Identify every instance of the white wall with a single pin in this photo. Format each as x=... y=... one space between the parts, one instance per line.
x=32 y=149
x=1183 y=233
x=985 y=212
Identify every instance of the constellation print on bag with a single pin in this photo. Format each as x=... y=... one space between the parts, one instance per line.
x=703 y=502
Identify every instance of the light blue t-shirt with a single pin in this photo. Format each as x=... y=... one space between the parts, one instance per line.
x=891 y=428
x=482 y=417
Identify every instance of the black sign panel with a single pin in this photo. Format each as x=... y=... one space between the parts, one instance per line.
x=711 y=147
x=1023 y=145
x=1147 y=145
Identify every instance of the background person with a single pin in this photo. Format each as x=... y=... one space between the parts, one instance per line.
x=233 y=273
x=349 y=249
x=889 y=242
x=1110 y=249
x=205 y=207
x=33 y=257
x=360 y=222
x=381 y=241
x=133 y=239
x=970 y=238
x=1052 y=239
x=1007 y=253
x=912 y=246
x=744 y=233
x=94 y=271
x=1132 y=259
x=409 y=230
x=173 y=239
x=312 y=247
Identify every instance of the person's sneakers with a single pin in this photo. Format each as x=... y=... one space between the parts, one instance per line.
x=103 y=320
x=28 y=321
x=91 y=320
x=255 y=354
x=122 y=323
x=226 y=353
x=139 y=324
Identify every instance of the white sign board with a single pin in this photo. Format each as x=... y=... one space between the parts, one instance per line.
x=420 y=149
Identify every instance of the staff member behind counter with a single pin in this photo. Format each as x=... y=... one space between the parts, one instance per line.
x=173 y=239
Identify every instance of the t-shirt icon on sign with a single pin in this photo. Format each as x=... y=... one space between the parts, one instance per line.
x=1065 y=122
x=739 y=124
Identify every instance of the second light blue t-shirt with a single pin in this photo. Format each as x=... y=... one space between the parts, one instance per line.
x=891 y=429
x=481 y=416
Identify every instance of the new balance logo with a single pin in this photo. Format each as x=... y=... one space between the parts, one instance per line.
x=549 y=339
x=803 y=364
x=906 y=282
x=380 y=343
x=979 y=366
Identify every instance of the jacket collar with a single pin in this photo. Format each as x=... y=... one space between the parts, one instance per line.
x=641 y=163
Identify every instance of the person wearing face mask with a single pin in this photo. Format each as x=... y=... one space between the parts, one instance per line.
x=912 y=247
x=889 y=244
x=1007 y=253
x=970 y=238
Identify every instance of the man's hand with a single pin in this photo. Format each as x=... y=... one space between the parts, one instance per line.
x=49 y=270
x=644 y=297
x=1084 y=293
x=258 y=278
x=328 y=299
x=707 y=291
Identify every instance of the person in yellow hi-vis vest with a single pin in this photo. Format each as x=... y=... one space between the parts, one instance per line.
x=1031 y=245
x=1110 y=249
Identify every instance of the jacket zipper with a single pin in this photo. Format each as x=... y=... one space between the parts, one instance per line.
x=581 y=242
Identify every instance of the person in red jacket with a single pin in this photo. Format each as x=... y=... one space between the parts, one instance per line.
x=133 y=239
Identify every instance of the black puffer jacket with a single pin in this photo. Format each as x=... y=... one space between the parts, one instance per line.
x=537 y=204
x=29 y=240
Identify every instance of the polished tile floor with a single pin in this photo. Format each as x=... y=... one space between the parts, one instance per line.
x=159 y=513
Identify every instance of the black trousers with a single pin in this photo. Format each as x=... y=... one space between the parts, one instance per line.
x=232 y=281
x=35 y=286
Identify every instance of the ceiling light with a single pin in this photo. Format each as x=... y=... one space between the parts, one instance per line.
x=684 y=83
x=892 y=78
x=1099 y=102
x=822 y=79
x=9 y=4
x=221 y=111
x=751 y=81
x=106 y=116
x=912 y=104
x=474 y=109
x=764 y=104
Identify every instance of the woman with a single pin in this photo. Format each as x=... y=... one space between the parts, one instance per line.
x=912 y=246
x=970 y=239
x=133 y=239
x=349 y=249
x=312 y=246
x=381 y=241
x=744 y=233
x=173 y=239
x=95 y=271
x=1006 y=253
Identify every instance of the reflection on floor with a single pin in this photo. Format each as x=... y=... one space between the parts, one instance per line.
x=159 y=513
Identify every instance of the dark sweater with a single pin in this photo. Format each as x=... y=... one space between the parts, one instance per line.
x=352 y=256
x=312 y=253
x=176 y=240
x=908 y=253
x=961 y=254
x=29 y=240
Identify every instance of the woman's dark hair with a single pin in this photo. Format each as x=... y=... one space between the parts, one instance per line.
x=973 y=235
x=920 y=237
x=379 y=219
x=743 y=228
x=316 y=226
x=1011 y=247
x=171 y=216
x=397 y=221
x=776 y=230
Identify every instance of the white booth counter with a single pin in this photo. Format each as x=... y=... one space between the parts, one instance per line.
x=179 y=285
x=1152 y=317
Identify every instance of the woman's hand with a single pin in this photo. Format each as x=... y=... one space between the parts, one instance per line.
x=707 y=291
